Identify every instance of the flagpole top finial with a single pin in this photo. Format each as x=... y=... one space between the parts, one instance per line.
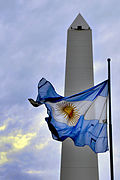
x=108 y=59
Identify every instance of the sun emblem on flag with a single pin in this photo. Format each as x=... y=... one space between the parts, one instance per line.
x=70 y=112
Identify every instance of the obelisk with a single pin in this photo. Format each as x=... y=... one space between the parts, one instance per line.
x=78 y=163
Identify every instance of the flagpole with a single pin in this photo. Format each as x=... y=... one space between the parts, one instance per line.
x=110 y=123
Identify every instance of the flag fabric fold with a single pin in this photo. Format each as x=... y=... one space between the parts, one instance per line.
x=81 y=117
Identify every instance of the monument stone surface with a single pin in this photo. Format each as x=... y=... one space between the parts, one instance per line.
x=78 y=163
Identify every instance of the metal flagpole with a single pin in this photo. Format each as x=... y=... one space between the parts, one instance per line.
x=110 y=123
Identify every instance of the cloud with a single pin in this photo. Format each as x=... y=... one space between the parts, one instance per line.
x=32 y=46
x=42 y=145
x=21 y=141
x=16 y=143
x=98 y=66
x=3 y=157
x=2 y=128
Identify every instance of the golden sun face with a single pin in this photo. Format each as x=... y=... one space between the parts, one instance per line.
x=69 y=111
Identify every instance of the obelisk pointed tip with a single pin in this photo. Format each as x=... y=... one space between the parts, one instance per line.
x=79 y=23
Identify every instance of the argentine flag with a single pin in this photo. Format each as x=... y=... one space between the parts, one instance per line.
x=81 y=117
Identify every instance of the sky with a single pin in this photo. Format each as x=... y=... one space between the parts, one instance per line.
x=33 y=36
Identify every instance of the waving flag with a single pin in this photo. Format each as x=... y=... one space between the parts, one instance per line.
x=81 y=117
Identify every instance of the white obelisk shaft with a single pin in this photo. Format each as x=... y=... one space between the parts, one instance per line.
x=78 y=163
